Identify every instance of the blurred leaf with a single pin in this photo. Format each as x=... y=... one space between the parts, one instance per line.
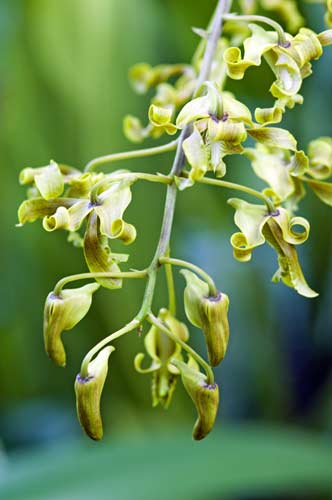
x=237 y=460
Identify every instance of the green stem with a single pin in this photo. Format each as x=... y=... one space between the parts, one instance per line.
x=283 y=42
x=170 y=287
x=126 y=329
x=238 y=187
x=129 y=155
x=166 y=229
x=213 y=291
x=159 y=324
x=135 y=176
x=86 y=276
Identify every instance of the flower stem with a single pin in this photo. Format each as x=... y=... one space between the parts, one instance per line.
x=86 y=276
x=126 y=329
x=139 y=153
x=166 y=229
x=239 y=187
x=170 y=287
x=159 y=324
x=283 y=42
x=182 y=263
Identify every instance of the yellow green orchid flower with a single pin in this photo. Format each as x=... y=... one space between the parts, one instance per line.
x=280 y=170
x=162 y=350
x=278 y=229
x=320 y=157
x=221 y=124
x=142 y=76
x=218 y=129
x=290 y=63
x=286 y=9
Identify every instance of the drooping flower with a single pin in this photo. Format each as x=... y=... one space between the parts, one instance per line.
x=161 y=350
x=278 y=229
x=205 y=397
x=62 y=312
x=208 y=313
x=88 y=394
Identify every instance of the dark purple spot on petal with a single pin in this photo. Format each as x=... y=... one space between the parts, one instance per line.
x=54 y=296
x=210 y=387
x=83 y=380
x=93 y=204
x=214 y=117
x=215 y=299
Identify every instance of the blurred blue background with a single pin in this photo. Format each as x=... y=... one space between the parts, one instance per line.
x=63 y=94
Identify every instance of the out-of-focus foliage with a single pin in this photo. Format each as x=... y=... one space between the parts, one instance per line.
x=235 y=461
x=63 y=93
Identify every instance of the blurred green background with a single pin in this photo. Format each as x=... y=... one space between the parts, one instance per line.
x=63 y=94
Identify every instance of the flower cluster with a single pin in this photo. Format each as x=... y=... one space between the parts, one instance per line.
x=212 y=123
x=89 y=206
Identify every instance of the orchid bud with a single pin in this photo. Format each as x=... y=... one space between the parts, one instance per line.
x=63 y=312
x=88 y=394
x=208 y=313
x=204 y=396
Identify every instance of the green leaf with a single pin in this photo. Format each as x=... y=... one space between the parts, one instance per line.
x=238 y=460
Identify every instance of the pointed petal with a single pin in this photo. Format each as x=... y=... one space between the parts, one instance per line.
x=289 y=271
x=37 y=208
x=113 y=204
x=255 y=46
x=194 y=110
x=274 y=137
x=196 y=154
x=98 y=255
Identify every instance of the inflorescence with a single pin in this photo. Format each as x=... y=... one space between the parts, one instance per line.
x=213 y=124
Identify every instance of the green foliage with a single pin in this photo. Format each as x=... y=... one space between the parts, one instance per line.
x=235 y=461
